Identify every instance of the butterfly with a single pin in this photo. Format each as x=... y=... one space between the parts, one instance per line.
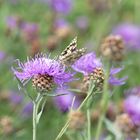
x=71 y=53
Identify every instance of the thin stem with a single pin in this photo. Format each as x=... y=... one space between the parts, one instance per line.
x=34 y=120
x=104 y=104
x=36 y=104
x=89 y=124
x=68 y=121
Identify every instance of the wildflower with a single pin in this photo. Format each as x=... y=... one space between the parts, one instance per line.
x=132 y=107
x=130 y=33
x=113 y=47
x=87 y=63
x=61 y=6
x=77 y=120
x=92 y=69
x=44 y=72
x=63 y=103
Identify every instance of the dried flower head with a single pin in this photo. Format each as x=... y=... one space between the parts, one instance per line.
x=77 y=120
x=6 y=125
x=44 y=72
x=124 y=123
x=97 y=76
x=71 y=53
x=113 y=47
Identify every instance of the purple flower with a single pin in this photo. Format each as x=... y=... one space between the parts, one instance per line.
x=61 y=6
x=27 y=109
x=115 y=81
x=15 y=98
x=132 y=107
x=42 y=65
x=30 y=28
x=2 y=55
x=60 y=23
x=11 y=22
x=87 y=63
x=130 y=33
x=82 y=23
x=64 y=102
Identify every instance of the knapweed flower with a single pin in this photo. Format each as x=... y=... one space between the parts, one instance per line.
x=113 y=47
x=88 y=64
x=132 y=108
x=64 y=102
x=130 y=33
x=61 y=6
x=44 y=72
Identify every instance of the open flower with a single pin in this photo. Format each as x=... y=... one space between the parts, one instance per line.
x=88 y=64
x=132 y=104
x=44 y=72
x=130 y=33
x=61 y=6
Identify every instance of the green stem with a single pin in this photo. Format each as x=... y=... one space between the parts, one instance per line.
x=36 y=104
x=34 y=120
x=89 y=124
x=104 y=104
x=68 y=121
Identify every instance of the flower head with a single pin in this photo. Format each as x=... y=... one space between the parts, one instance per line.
x=87 y=63
x=64 y=102
x=44 y=72
x=113 y=47
x=130 y=33
x=61 y=6
x=132 y=105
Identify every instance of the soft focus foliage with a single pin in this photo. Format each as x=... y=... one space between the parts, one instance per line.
x=29 y=27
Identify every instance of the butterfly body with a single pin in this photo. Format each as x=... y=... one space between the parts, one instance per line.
x=71 y=53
